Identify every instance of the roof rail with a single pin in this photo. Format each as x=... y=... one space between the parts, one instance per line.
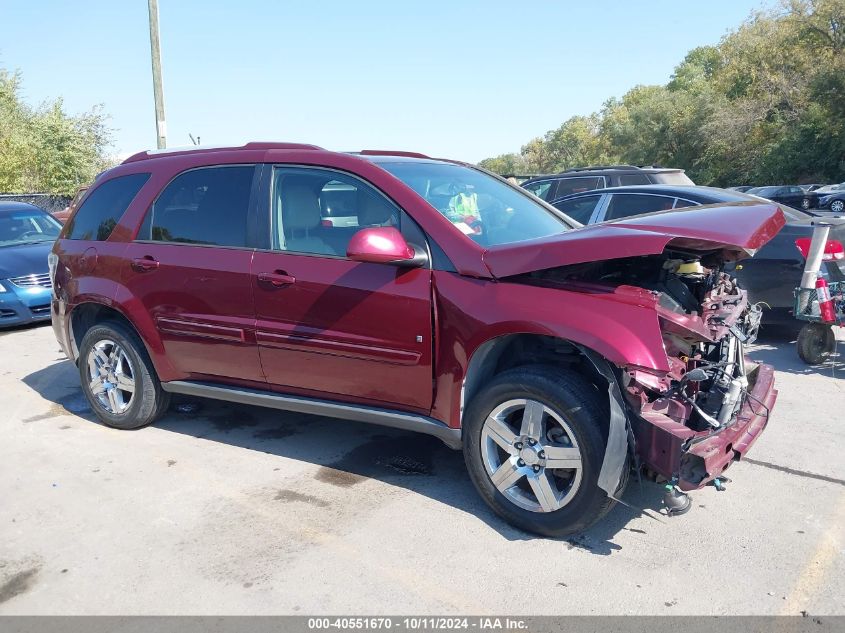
x=387 y=152
x=179 y=151
x=591 y=167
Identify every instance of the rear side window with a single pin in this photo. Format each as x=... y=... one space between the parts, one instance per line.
x=206 y=206
x=633 y=179
x=102 y=210
x=566 y=186
x=623 y=205
x=579 y=209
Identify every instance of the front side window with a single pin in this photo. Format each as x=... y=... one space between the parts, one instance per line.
x=623 y=205
x=480 y=206
x=103 y=208
x=27 y=226
x=539 y=189
x=207 y=206
x=579 y=209
x=317 y=211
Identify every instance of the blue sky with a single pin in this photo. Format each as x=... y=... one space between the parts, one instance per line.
x=461 y=79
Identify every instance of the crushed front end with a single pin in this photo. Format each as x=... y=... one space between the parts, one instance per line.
x=691 y=422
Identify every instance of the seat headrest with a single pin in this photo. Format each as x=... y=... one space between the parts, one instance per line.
x=373 y=210
x=300 y=208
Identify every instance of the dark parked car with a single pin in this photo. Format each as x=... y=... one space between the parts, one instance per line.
x=773 y=273
x=832 y=201
x=26 y=236
x=790 y=195
x=579 y=179
x=459 y=306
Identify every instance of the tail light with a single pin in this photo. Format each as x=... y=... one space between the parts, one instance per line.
x=326 y=222
x=833 y=250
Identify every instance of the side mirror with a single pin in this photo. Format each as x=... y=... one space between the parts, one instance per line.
x=382 y=245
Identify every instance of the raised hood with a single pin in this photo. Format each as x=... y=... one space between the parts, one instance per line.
x=736 y=230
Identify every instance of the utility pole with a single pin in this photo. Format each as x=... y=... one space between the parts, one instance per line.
x=155 y=53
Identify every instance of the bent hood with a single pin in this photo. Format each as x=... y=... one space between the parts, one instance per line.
x=735 y=230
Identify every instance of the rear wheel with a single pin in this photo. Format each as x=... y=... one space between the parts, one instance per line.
x=816 y=343
x=534 y=442
x=118 y=378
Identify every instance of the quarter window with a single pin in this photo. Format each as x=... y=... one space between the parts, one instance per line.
x=318 y=211
x=624 y=205
x=540 y=189
x=203 y=206
x=580 y=209
x=103 y=208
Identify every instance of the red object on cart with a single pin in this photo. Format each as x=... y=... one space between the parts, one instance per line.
x=826 y=308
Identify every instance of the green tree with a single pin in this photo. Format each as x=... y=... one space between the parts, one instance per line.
x=45 y=150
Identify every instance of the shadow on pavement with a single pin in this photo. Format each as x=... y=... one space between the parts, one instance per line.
x=346 y=453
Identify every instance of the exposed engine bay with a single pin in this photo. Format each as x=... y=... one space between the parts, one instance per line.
x=706 y=322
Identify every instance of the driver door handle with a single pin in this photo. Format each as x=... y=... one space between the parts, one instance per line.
x=144 y=264
x=278 y=278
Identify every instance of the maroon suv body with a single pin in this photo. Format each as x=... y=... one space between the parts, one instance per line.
x=556 y=356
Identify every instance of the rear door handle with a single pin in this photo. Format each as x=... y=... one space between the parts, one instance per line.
x=278 y=278
x=144 y=264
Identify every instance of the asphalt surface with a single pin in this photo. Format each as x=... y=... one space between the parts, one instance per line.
x=222 y=509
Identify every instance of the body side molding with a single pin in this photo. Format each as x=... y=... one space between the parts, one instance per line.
x=373 y=415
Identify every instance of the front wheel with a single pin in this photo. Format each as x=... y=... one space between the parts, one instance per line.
x=805 y=204
x=837 y=206
x=118 y=378
x=534 y=442
x=816 y=342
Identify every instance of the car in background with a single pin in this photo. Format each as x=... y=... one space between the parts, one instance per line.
x=27 y=234
x=741 y=188
x=552 y=187
x=770 y=276
x=790 y=195
x=64 y=214
x=829 y=188
x=831 y=201
x=809 y=188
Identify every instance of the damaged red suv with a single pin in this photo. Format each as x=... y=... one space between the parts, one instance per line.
x=448 y=302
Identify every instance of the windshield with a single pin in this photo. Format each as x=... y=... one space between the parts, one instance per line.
x=763 y=191
x=478 y=205
x=27 y=227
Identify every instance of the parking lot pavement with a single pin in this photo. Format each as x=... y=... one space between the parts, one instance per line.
x=229 y=509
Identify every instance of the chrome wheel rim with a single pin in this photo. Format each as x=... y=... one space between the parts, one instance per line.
x=111 y=377
x=531 y=455
x=837 y=206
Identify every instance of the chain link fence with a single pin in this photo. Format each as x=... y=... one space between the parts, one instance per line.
x=47 y=201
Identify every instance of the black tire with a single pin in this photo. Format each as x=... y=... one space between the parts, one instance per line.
x=837 y=206
x=816 y=343
x=805 y=204
x=149 y=400
x=586 y=411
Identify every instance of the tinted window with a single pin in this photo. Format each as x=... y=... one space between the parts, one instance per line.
x=634 y=179
x=483 y=208
x=579 y=209
x=540 y=189
x=623 y=205
x=203 y=206
x=318 y=211
x=103 y=208
x=565 y=186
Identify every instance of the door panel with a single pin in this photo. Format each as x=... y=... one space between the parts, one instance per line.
x=346 y=328
x=200 y=299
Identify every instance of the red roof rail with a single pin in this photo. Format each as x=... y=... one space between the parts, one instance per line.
x=387 y=152
x=180 y=151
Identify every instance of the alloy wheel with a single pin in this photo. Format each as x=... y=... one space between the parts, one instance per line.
x=837 y=206
x=531 y=455
x=111 y=376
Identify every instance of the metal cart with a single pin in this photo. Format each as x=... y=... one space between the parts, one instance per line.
x=816 y=340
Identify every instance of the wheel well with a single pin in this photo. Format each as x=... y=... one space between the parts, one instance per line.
x=516 y=350
x=87 y=315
